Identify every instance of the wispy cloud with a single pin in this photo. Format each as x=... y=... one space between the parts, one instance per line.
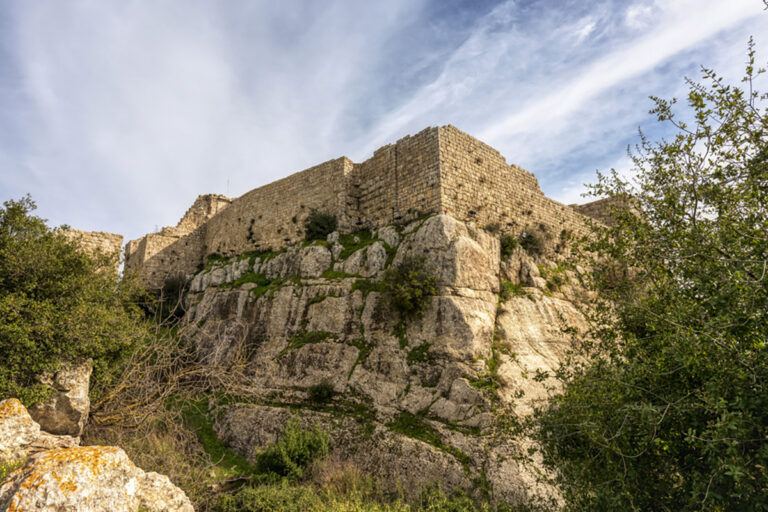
x=117 y=114
x=677 y=32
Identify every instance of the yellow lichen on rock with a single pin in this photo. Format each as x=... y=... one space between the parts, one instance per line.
x=11 y=407
x=88 y=478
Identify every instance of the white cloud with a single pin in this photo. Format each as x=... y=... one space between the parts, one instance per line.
x=585 y=30
x=640 y=15
x=678 y=31
x=135 y=109
x=127 y=110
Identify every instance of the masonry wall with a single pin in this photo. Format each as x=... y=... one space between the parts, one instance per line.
x=94 y=242
x=174 y=250
x=157 y=257
x=273 y=216
x=97 y=242
x=479 y=186
x=437 y=169
x=400 y=182
x=604 y=209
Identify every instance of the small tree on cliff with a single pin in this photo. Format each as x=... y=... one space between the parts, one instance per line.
x=319 y=225
x=668 y=408
x=56 y=304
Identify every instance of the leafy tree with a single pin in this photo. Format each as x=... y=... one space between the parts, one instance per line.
x=667 y=407
x=56 y=304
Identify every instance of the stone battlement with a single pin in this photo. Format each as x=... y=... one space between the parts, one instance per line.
x=438 y=170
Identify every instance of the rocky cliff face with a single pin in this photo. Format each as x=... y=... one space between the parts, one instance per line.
x=414 y=401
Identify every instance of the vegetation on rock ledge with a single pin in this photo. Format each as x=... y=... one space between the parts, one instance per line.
x=410 y=283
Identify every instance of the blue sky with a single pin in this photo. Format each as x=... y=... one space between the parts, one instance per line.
x=115 y=115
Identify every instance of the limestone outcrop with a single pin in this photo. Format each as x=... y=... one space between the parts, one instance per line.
x=17 y=430
x=59 y=475
x=65 y=412
x=88 y=479
x=415 y=398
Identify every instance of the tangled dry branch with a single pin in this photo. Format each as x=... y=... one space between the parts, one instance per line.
x=167 y=366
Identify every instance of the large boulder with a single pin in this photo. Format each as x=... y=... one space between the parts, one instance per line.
x=462 y=256
x=88 y=478
x=17 y=430
x=65 y=412
x=315 y=259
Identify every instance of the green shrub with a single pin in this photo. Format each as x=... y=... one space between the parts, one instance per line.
x=252 y=277
x=414 y=426
x=509 y=289
x=58 y=304
x=335 y=274
x=366 y=286
x=295 y=451
x=665 y=407
x=353 y=242
x=270 y=498
x=508 y=244
x=409 y=284
x=319 y=225
x=321 y=392
x=532 y=242
x=285 y=497
x=213 y=259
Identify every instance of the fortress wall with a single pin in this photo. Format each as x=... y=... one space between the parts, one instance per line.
x=204 y=207
x=272 y=216
x=400 y=182
x=134 y=255
x=434 y=170
x=599 y=209
x=95 y=242
x=160 y=257
x=174 y=250
x=604 y=209
x=478 y=185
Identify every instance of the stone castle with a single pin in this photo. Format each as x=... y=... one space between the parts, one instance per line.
x=438 y=170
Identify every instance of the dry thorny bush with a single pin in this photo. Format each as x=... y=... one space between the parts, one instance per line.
x=139 y=410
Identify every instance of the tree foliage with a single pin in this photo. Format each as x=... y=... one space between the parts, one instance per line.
x=56 y=304
x=667 y=407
